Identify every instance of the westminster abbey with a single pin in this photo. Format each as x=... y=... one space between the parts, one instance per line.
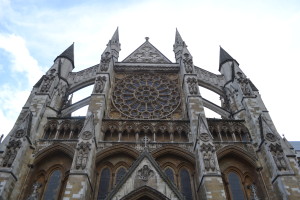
x=145 y=135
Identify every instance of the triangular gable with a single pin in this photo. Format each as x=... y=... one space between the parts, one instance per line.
x=146 y=53
x=145 y=172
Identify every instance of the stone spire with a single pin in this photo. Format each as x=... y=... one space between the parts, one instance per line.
x=178 y=40
x=68 y=54
x=113 y=46
x=224 y=57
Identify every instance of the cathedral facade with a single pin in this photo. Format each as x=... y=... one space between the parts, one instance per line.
x=145 y=135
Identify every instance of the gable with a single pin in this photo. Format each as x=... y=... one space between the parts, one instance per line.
x=145 y=172
x=146 y=53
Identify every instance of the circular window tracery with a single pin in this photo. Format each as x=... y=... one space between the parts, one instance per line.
x=146 y=96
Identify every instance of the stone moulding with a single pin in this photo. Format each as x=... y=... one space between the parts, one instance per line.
x=153 y=67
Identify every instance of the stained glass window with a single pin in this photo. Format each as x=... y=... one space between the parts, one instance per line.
x=185 y=183
x=170 y=174
x=104 y=184
x=120 y=174
x=235 y=186
x=53 y=186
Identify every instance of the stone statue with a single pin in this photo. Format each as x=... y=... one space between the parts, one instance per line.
x=145 y=173
x=100 y=84
x=47 y=82
x=188 y=63
x=192 y=85
x=104 y=63
x=209 y=162
x=35 y=194
x=253 y=189
x=83 y=154
x=11 y=152
x=244 y=83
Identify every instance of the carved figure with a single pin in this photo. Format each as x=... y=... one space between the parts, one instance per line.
x=278 y=157
x=244 y=83
x=209 y=162
x=11 y=152
x=35 y=194
x=188 y=63
x=192 y=85
x=145 y=173
x=86 y=135
x=100 y=84
x=83 y=154
x=253 y=189
x=19 y=133
x=204 y=137
x=48 y=79
x=104 y=63
x=271 y=137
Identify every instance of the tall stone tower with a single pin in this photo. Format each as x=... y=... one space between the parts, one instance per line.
x=145 y=134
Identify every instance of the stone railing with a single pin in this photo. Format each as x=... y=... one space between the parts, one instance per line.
x=151 y=146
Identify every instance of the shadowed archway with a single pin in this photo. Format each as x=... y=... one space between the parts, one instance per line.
x=145 y=193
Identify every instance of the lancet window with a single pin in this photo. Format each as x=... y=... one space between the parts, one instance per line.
x=185 y=184
x=53 y=185
x=120 y=174
x=170 y=174
x=104 y=184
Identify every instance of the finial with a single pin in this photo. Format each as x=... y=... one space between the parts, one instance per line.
x=147 y=38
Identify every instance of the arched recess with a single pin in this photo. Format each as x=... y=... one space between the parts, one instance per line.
x=239 y=165
x=145 y=193
x=116 y=149
x=53 y=149
x=54 y=160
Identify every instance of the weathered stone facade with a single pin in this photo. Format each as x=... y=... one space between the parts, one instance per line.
x=145 y=134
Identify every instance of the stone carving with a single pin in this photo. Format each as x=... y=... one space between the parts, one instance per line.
x=100 y=84
x=244 y=83
x=271 y=137
x=47 y=82
x=204 y=137
x=209 y=161
x=145 y=140
x=35 y=193
x=104 y=63
x=188 y=63
x=253 y=194
x=208 y=157
x=83 y=154
x=147 y=54
x=278 y=156
x=146 y=96
x=19 y=133
x=86 y=135
x=145 y=173
x=11 y=152
x=192 y=85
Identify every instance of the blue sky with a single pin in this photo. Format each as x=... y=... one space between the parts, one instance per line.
x=263 y=36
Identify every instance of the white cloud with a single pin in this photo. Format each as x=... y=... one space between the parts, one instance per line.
x=22 y=61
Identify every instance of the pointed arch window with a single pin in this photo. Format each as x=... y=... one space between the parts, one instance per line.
x=104 y=184
x=235 y=186
x=170 y=174
x=185 y=182
x=53 y=186
x=120 y=174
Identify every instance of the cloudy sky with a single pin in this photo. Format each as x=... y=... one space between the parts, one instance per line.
x=263 y=36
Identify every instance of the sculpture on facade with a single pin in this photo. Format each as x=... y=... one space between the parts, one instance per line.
x=192 y=85
x=11 y=152
x=188 y=63
x=47 y=81
x=83 y=154
x=104 y=63
x=244 y=83
x=100 y=84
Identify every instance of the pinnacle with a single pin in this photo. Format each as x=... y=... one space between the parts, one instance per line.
x=224 y=56
x=68 y=54
x=115 y=36
x=178 y=38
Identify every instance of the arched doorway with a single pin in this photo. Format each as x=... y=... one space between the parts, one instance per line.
x=145 y=193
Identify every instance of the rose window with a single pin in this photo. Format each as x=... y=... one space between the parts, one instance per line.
x=146 y=96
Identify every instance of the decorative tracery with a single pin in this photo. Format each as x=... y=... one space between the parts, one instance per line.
x=146 y=96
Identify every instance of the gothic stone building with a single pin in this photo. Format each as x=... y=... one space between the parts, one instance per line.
x=145 y=134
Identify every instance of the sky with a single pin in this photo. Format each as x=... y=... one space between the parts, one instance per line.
x=263 y=36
